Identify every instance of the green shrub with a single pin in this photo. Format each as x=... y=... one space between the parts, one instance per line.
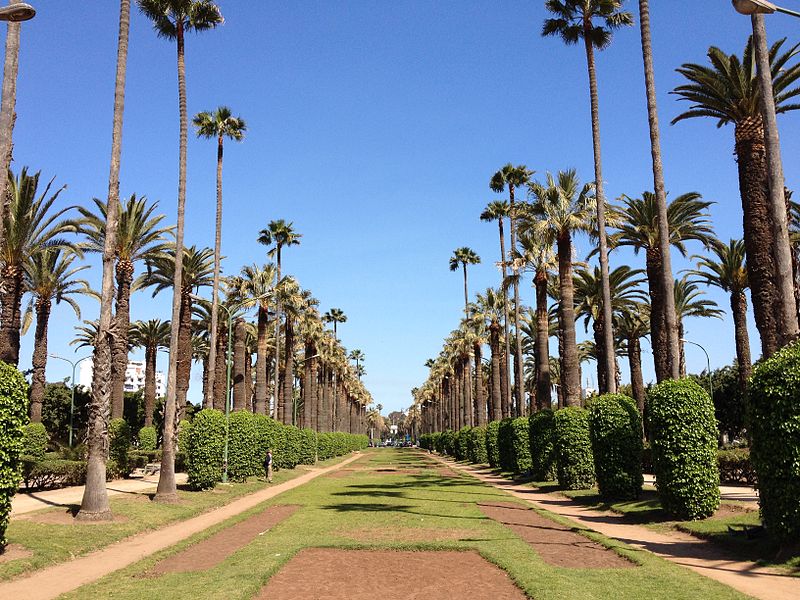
x=148 y=440
x=435 y=441
x=51 y=474
x=462 y=443
x=447 y=442
x=119 y=442
x=520 y=445
x=735 y=466
x=505 y=442
x=477 y=446
x=573 y=448
x=308 y=447
x=775 y=425
x=290 y=449
x=683 y=438
x=243 y=460
x=183 y=435
x=426 y=441
x=492 y=444
x=204 y=447
x=270 y=435
x=542 y=439
x=615 y=427
x=13 y=417
x=35 y=440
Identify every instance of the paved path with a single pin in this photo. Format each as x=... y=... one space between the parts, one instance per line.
x=683 y=549
x=734 y=493
x=59 y=579
x=25 y=502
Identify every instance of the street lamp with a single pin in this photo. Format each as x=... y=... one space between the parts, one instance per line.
x=760 y=7
x=708 y=363
x=72 y=400
x=17 y=12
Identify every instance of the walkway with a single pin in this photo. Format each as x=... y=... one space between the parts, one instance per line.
x=59 y=579
x=731 y=493
x=683 y=549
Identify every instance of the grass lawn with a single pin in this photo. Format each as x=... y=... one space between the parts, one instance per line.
x=52 y=544
x=415 y=508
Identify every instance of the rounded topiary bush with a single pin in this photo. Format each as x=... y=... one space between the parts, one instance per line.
x=308 y=447
x=615 y=427
x=492 y=444
x=520 y=445
x=462 y=443
x=505 y=443
x=291 y=448
x=542 y=439
x=119 y=442
x=35 y=440
x=13 y=417
x=775 y=453
x=243 y=459
x=477 y=445
x=204 y=447
x=148 y=441
x=683 y=439
x=573 y=449
x=183 y=435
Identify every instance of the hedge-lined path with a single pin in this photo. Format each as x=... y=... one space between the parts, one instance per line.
x=729 y=493
x=25 y=502
x=683 y=549
x=53 y=581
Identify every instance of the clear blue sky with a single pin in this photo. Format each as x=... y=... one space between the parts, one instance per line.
x=374 y=127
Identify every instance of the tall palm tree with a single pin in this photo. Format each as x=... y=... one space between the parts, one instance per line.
x=335 y=316
x=729 y=92
x=358 y=356
x=637 y=227
x=219 y=124
x=512 y=177
x=690 y=301
x=150 y=335
x=139 y=236
x=593 y=22
x=49 y=276
x=728 y=272
x=561 y=208
x=291 y=300
x=667 y=314
x=490 y=306
x=171 y=20
x=30 y=225
x=461 y=258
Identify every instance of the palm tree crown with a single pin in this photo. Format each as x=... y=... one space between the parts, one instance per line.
x=220 y=123
x=170 y=16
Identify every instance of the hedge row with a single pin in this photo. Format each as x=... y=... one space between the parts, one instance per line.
x=13 y=417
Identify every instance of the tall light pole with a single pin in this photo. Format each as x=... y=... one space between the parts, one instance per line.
x=760 y=7
x=708 y=364
x=74 y=364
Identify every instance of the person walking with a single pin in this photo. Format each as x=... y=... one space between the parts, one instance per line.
x=268 y=465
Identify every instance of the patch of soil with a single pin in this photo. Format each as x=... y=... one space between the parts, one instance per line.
x=409 y=534
x=554 y=543
x=213 y=550
x=732 y=510
x=446 y=472
x=330 y=574
x=14 y=552
x=67 y=517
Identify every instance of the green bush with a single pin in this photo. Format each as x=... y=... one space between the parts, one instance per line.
x=775 y=426
x=148 y=441
x=492 y=444
x=683 y=438
x=183 y=435
x=51 y=474
x=138 y=459
x=291 y=449
x=119 y=442
x=308 y=447
x=13 y=417
x=447 y=443
x=426 y=441
x=243 y=460
x=735 y=466
x=204 y=447
x=573 y=448
x=435 y=437
x=462 y=443
x=542 y=439
x=615 y=427
x=520 y=445
x=270 y=435
x=477 y=446
x=35 y=440
x=505 y=442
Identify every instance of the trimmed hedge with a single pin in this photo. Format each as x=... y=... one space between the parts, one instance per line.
x=683 y=438
x=735 y=466
x=477 y=445
x=13 y=417
x=204 y=446
x=492 y=444
x=50 y=474
x=775 y=426
x=542 y=440
x=148 y=441
x=119 y=442
x=574 y=462
x=520 y=445
x=35 y=440
x=308 y=447
x=615 y=428
x=505 y=443
x=462 y=443
x=243 y=462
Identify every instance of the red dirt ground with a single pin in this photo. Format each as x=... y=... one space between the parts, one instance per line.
x=330 y=574
x=13 y=552
x=213 y=550
x=554 y=543
x=66 y=517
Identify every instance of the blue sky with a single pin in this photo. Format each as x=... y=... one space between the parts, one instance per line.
x=374 y=127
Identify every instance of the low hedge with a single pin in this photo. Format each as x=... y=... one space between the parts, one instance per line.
x=683 y=438
x=492 y=444
x=50 y=474
x=139 y=459
x=615 y=429
x=542 y=440
x=735 y=466
x=477 y=446
x=148 y=440
x=13 y=417
x=574 y=462
x=462 y=443
x=119 y=442
x=35 y=440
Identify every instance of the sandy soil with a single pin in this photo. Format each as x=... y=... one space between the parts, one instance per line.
x=13 y=552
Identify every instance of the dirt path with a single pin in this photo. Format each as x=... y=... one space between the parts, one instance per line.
x=732 y=493
x=53 y=581
x=683 y=549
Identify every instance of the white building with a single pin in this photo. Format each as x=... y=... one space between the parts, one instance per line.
x=134 y=377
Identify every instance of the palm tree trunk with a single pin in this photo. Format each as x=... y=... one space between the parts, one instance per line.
x=38 y=377
x=275 y=387
x=665 y=281
x=659 y=341
x=94 y=504
x=506 y=395
x=608 y=364
x=542 y=344
x=570 y=374
x=635 y=365
x=682 y=348
x=221 y=368
x=208 y=401
x=494 y=346
x=480 y=395
x=7 y=110
x=184 y=366
x=239 y=388
x=262 y=342
x=150 y=354
x=309 y=376
x=288 y=373
x=602 y=375
x=519 y=384
x=505 y=375
x=739 y=311
x=122 y=321
x=324 y=412
x=11 y=292
x=248 y=380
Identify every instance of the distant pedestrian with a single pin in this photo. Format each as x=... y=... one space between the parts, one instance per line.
x=268 y=465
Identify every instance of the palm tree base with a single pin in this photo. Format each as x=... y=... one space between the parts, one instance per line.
x=94 y=517
x=167 y=498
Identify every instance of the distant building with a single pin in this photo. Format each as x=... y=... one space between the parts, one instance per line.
x=134 y=377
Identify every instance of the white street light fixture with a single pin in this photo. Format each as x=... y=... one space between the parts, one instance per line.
x=760 y=7
x=17 y=12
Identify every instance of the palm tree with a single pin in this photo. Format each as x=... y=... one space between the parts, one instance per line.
x=667 y=315
x=637 y=227
x=632 y=325
x=729 y=273
x=690 y=302
x=171 y=20
x=139 y=237
x=512 y=177
x=49 y=276
x=335 y=316
x=498 y=210
x=490 y=307
x=574 y=21
x=461 y=258
x=150 y=335
x=729 y=92
x=289 y=296
x=563 y=207
x=358 y=356
x=219 y=124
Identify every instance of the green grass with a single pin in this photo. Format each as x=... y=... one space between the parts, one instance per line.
x=51 y=544
x=402 y=502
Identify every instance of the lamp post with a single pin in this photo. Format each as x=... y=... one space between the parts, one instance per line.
x=17 y=12
x=760 y=7
x=708 y=363
x=74 y=364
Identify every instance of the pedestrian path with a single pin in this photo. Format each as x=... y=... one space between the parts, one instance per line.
x=731 y=493
x=680 y=548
